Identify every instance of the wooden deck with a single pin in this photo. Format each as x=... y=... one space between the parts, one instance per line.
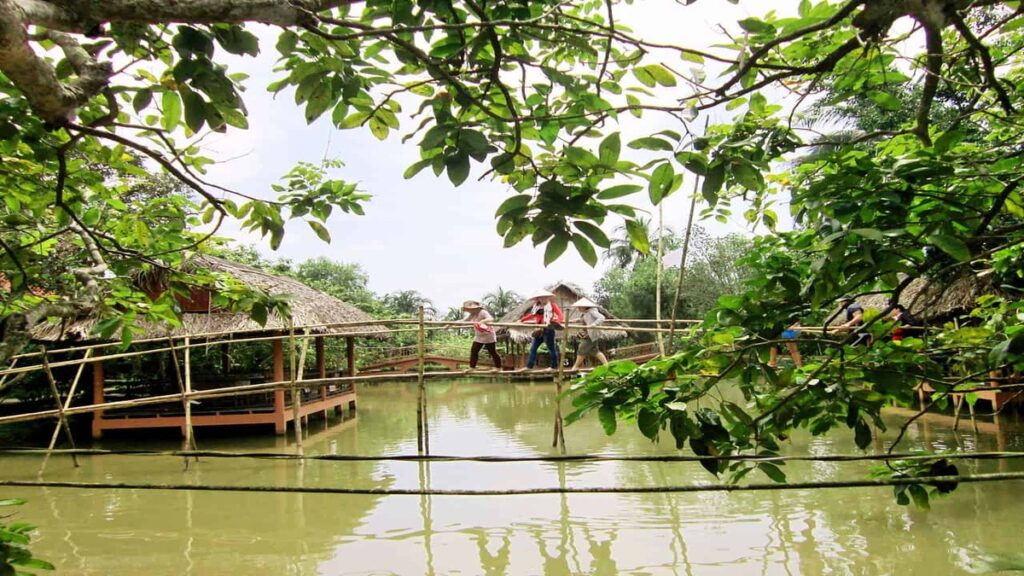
x=274 y=413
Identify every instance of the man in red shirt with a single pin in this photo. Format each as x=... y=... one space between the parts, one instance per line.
x=545 y=313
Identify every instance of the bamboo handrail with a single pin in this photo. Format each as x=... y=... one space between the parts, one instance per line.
x=762 y=486
x=491 y=459
x=241 y=390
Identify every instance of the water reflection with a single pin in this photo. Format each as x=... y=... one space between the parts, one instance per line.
x=850 y=531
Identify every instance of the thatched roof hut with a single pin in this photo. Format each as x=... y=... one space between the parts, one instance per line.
x=936 y=301
x=309 y=307
x=566 y=294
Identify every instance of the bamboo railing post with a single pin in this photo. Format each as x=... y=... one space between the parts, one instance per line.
x=3 y=379
x=658 y=274
x=421 y=408
x=559 y=434
x=686 y=250
x=189 y=431
x=67 y=404
x=62 y=419
x=296 y=400
x=190 y=438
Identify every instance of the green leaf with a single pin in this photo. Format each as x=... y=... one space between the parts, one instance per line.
x=869 y=233
x=648 y=422
x=417 y=168
x=517 y=202
x=661 y=182
x=321 y=232
x=638 y=236
x=887 y=101
x=713 y=182
x=651 y=143
x=585 y=248
x=661 y=75
x=171 y=104
x=142 y=99
x=756 y=26
x=378 y=128
x=596 y=235
x=458 y=167
x=619 y=191
x=951 y=245
x=556 y=246
x=644 y=76
x=12 y=502
x=472 y=141
x=610 y=149
x=606 y=414
x=772 y=471
x=195 y=109
x=919 y=495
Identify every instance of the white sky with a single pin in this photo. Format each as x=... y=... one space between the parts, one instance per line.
x=423 y=234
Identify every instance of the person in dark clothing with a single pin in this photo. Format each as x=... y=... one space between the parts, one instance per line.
x=854 y=321
x=906 y=324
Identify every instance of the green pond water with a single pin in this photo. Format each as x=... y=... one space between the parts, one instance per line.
x=841 y=531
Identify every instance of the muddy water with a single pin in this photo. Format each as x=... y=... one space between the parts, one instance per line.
x=846 y=531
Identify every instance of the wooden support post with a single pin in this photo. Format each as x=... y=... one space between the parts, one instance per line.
x=188 y=434
x=350 y=355
x=60 y=405
x=280 y=424
x=321 y=371
x=421 y=425
x=225 y=358
x=97 y=399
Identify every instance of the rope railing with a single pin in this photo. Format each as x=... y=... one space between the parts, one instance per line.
x=485 y=459
x=751 y=487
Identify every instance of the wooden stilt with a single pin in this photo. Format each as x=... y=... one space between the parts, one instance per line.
x=188 y=434
x=63 y=421
x=280 y=424
x=350 y=355
x=321 y=371
x=97 y=399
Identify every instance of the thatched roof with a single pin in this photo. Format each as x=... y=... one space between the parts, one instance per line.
x=309 y=307
x=566 y=293
x=938 y=300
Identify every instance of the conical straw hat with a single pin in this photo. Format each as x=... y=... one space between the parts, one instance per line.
x=584 y=303
x=541 y=294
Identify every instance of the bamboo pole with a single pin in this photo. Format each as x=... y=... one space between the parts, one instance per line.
x=559 y=435
x=62 y=419
x=190 y=438
x=188 y=390
x=296 y=372
x=420 y=428
x=67 y=404
x=571 y=459
x=752 y=487
x=686 y=250
x=659 y=270
x=609 y=326
x=3 y=379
